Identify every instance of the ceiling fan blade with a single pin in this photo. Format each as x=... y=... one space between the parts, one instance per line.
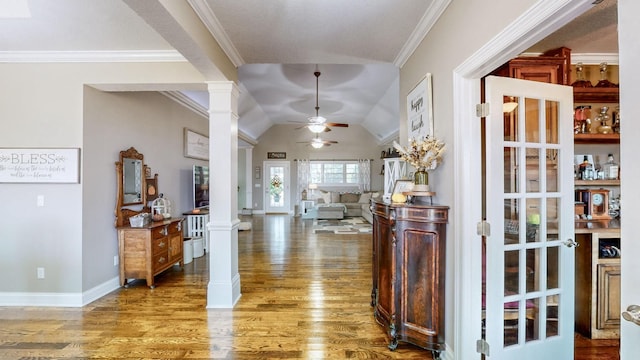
x=326 y=142
x=337 y=124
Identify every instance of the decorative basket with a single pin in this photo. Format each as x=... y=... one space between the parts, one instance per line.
x=140 y=220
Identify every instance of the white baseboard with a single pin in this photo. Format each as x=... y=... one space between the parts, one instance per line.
x=59 y=299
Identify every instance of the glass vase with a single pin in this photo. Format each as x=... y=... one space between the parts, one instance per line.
x=421 y=180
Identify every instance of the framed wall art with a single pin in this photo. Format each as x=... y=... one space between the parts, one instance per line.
x=40 y=165
x=420 y=110
x=196 y=145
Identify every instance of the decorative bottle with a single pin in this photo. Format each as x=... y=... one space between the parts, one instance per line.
x=611 y=168
x=604 y=83
x=582 y=169
x=580 y=81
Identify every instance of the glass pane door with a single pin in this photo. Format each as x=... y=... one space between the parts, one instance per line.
x=529 y=273
x=277 y=187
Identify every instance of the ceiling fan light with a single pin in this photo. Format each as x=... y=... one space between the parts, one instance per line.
x=317 y=119
x=316 y=128
x=317 y=144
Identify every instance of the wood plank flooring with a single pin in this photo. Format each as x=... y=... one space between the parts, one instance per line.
x=305 y=296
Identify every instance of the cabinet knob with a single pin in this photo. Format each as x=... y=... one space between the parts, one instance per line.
x=165 y=231
x=161 y=260
x=161 y=244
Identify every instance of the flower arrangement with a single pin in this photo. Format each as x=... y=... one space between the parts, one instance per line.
x=423 y=155
x=276 y=186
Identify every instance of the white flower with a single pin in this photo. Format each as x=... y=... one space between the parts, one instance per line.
x=423 y=155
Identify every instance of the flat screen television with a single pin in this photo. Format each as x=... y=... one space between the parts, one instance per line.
x=200 y=186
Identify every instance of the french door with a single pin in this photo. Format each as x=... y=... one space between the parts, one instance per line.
x=529 y=304
x=276 y=187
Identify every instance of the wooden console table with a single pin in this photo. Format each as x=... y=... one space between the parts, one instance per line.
x=147 y=251
x=409 y=243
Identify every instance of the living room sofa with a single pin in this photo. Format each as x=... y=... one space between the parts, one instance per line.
x=355 y=204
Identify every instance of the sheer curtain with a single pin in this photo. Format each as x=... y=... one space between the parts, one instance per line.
x=304 y=174
x=364 y=171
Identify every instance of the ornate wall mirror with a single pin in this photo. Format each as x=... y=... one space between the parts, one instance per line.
x=131 y=182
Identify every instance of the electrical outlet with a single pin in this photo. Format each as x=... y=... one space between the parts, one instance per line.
x=40 y=272
x=115 y=260
x=40 y=200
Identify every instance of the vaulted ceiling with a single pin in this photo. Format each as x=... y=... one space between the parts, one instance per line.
x=357 y=45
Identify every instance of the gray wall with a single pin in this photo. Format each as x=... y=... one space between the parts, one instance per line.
x=153 y=124
x=42 y=105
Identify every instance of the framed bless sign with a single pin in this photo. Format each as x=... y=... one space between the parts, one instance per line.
x=40 y=165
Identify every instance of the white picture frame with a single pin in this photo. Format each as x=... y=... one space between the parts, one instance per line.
x=196 y=145
x=402 y=186
x=40 y=165
x=420 y=109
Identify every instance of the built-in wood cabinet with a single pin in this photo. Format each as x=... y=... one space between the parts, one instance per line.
x=552 y=67
x=409 y=243
x=147 y=251
x=597 y=310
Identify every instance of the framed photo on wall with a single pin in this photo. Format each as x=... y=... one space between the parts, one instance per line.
x=196 y=145
x=420 y=110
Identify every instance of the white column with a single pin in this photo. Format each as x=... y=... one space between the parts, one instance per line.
x=224 y=279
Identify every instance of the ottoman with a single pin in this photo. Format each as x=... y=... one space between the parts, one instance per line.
x=330 y=211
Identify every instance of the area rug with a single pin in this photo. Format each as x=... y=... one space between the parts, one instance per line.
x=353 y=225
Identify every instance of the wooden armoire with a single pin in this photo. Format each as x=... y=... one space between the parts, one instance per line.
x=409 y=243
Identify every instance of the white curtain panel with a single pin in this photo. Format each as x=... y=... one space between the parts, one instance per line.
x=365 y=174
x=304 y=173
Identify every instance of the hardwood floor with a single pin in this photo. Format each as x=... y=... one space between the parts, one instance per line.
x=304 y=296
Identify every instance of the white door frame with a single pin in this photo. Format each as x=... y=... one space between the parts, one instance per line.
x=542 y=19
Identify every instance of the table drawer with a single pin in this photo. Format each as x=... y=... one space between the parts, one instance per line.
x=160 y=245
x=160 y=260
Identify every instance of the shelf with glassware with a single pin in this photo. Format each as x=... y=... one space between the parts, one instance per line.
x=597 y=114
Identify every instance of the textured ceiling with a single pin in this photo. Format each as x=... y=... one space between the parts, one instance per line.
x=357 y=44
x=325 y=32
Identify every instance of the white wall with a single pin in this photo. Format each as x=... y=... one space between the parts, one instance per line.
x=41 y=105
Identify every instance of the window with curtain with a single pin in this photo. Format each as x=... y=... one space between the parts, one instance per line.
x=334 y=172
x=341 y=172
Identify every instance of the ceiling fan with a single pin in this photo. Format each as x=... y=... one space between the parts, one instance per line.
x=318 y=124
x=317 y=143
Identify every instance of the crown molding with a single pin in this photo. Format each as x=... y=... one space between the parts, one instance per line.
x=211 y=22
x=429 y=19
x=187 y=102
x=200 y=110
x=91 y=56
x=389 y=138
